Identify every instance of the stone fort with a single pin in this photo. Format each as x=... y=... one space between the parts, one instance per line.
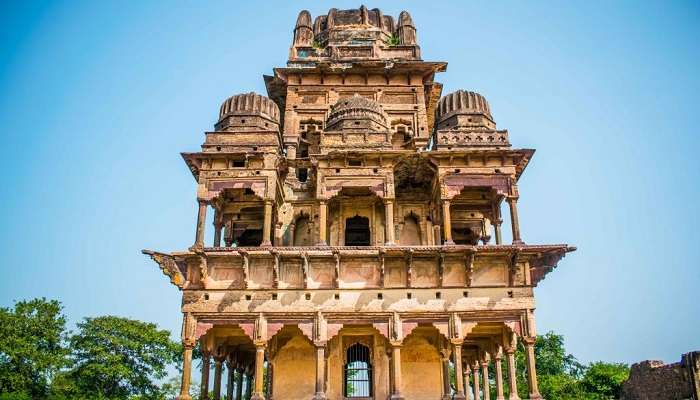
x=357 y=250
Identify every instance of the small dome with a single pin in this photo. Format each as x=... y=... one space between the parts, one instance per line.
x=250 y=104
x=365 y=113
x=462 y=102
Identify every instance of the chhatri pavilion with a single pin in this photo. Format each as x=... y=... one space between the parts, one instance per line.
x=357 y=250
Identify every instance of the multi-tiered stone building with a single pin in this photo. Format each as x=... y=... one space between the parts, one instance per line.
x=357 y=248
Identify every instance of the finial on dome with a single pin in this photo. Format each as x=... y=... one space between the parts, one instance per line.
x=303 y=31
x=406 y=30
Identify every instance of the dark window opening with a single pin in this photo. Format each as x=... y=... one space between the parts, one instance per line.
x=465 y=236
x=302 y=174
x=355 y=163
x=358 y=372
x=250 y=237
x=248 y=191
x=303 y=150
x=238 y=163
x=357 y=231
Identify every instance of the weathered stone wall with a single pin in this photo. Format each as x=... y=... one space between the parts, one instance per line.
x=654 y=380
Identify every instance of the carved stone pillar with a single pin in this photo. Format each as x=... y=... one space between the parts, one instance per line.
x=248 y=386
x=499 y=376
x=445 y=359
x=497 y=228
x=515 y=225
x=267 y=224
x=512 y=378
x=447 y=222
x=229 y=380
x=485 y=377
x=475 y=379
x=186 y=372
x=201 y=222
x=205 y=376
x=320 y=371
x=457 y=354
x=258 y=393
x=467 y=384
x=389 y=215
x=396 y=363
x=218 y=364
x=218 y=225
x=291 y=229
x=529 y=343
x=239 y=385
x=322 y=224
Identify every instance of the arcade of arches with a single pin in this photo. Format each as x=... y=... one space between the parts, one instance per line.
x=357 y=247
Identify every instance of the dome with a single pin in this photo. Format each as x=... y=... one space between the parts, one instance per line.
x=357 y=112
x=464 y=109
x=251 y=104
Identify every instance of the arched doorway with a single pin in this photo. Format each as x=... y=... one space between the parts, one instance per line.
x=410 y=233
x=302 y=232
x=357 y=231
x=357 y=372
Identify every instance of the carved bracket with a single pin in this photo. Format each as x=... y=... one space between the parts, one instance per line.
x=169 y=267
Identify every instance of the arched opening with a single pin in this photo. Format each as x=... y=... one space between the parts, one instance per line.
x=302 y=232
x=410 y=233
x=357 y=231
x=357 y=373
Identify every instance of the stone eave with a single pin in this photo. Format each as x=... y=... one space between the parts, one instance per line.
x=542 y=258
x=194 y=159
x=523 y=155
x=428 y=68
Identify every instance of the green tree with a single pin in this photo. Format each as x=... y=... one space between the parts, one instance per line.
x=32 y=348
x=605 y=379
x=118 y=358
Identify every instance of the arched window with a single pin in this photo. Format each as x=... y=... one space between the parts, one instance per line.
x=358 y=372
x=357 y=231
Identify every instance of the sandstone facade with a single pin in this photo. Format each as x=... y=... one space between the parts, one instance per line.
x=357 y=246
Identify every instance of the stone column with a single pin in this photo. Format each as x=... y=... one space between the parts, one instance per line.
x=258 y=393
x=457 y=355
x=389 y=228
x=239 y=385
x=322 y=224
x=447 y=222
x=267 y=224
x=291 y=229
x=445 y=359
x=201 y=222
x=205 y=376
x=529 y=343
x=475 y=378
x=497 y=228
x=248 y=387
x=512 y=378
x=396 y=361
x=499 y=376
x=186 y=372
x=320 y=371
x=229 y=380
x=485 y=377
x=467 y=384
x=218 y=364
x=515 y=225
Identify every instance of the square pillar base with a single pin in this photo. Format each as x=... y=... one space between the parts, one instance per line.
x=459 y=397
x=396 y=397
x=257 y=397
x=319 y=396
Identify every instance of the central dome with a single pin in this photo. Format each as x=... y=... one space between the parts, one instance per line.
x=357 y=112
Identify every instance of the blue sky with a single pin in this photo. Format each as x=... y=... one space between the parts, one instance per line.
x=97 y=99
